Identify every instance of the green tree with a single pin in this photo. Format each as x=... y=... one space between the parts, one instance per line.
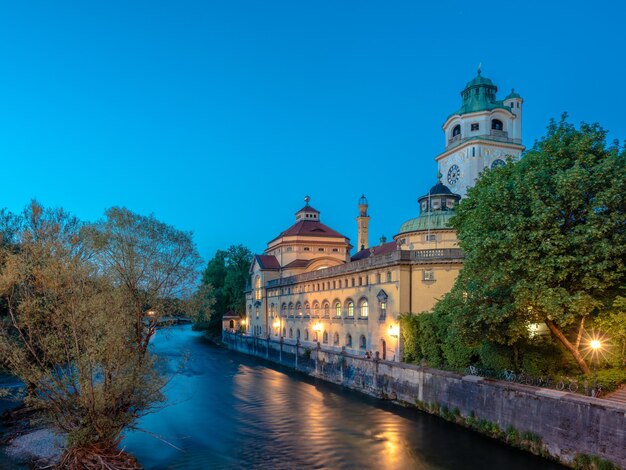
x=545 y=240
x=72 y=294
x=226 y=274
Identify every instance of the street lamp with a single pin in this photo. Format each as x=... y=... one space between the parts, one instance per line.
x=596 y=345
x=394 y=331
x=317 y=328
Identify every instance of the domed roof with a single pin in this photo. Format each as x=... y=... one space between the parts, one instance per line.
x=439 y=188
x=436 y=221
x=479 y=80
x=512 y=95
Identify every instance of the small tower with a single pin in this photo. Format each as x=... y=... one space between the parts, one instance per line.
x=363 y=221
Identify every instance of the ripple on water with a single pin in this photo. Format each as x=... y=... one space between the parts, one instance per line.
x=233 y=411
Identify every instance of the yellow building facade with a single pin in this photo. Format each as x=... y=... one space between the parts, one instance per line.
x=306 y=287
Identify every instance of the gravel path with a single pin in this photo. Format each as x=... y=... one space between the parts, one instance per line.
x=43 y=446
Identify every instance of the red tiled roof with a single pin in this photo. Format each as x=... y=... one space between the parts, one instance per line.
x=311 y=228
x=308 y=208
x=231 y=314
x=298 y=263
x=377 y=250
x=267 y=261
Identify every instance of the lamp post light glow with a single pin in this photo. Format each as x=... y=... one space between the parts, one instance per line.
x=595 y=345
x=394 y=331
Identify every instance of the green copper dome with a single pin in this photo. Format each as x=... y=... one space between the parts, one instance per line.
x=438 y=220
x=478 y=81
x=512 y=95
x=479 y=95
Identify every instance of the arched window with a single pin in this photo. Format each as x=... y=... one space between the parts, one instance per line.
x=260 y=330
x=316 y=308
x=348 y=340
x=338 y=309
x=336 y=339
x=307 y=309
x=298 y=333
x=306 y=335
x=365 y=309
x=290 y=309
x=350 y=306
x=283 y=310
x=315 y=336
x=496 y=125
x=326 y=309
x=299 y=309
x=291 y=332
x=272 y=310
x=325 y=337
x=362 y=342
x=256 y=310
x=456 y=130
x=257 y=288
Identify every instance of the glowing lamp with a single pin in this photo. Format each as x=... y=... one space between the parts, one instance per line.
x=394 y=330
x=595 y=344
x=276 y=324
x=317 y=327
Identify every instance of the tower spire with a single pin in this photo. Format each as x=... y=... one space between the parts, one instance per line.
x=363 y=221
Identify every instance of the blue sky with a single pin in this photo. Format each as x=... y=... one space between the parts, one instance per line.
x=219 y=117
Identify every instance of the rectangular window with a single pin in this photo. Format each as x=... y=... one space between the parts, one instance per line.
x=335 y=250
x=378 y=278
x=320 y=249
x=431 y=238
x=474 y=126
x=306 y=248
x=429 y=275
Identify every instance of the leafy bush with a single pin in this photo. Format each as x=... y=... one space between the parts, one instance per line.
x=611 y=379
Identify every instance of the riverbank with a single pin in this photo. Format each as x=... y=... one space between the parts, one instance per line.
x=557 y=425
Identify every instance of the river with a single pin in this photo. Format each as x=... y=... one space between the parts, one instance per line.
x=227 y=410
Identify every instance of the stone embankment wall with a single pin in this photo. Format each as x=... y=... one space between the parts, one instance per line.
x=567 y=424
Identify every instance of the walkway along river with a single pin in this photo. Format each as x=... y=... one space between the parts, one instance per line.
x=228 y=410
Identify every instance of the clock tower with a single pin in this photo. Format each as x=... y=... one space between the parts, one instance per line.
x=483 y=133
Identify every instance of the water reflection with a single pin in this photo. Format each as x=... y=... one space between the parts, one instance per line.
x=232 y=411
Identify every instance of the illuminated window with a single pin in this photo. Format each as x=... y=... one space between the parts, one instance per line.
x=326 y=309
x=316 y=308
x=283 y=310
x=338 y=309
x=365 y=310
x=307 y=309
x=257 y=288
x=256 y=310
x=299 y=309
x=350 y=308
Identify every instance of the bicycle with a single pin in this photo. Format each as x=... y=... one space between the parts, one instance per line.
x=572 y=386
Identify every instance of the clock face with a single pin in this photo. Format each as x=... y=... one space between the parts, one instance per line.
x=496 y=163
x=454 y=173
